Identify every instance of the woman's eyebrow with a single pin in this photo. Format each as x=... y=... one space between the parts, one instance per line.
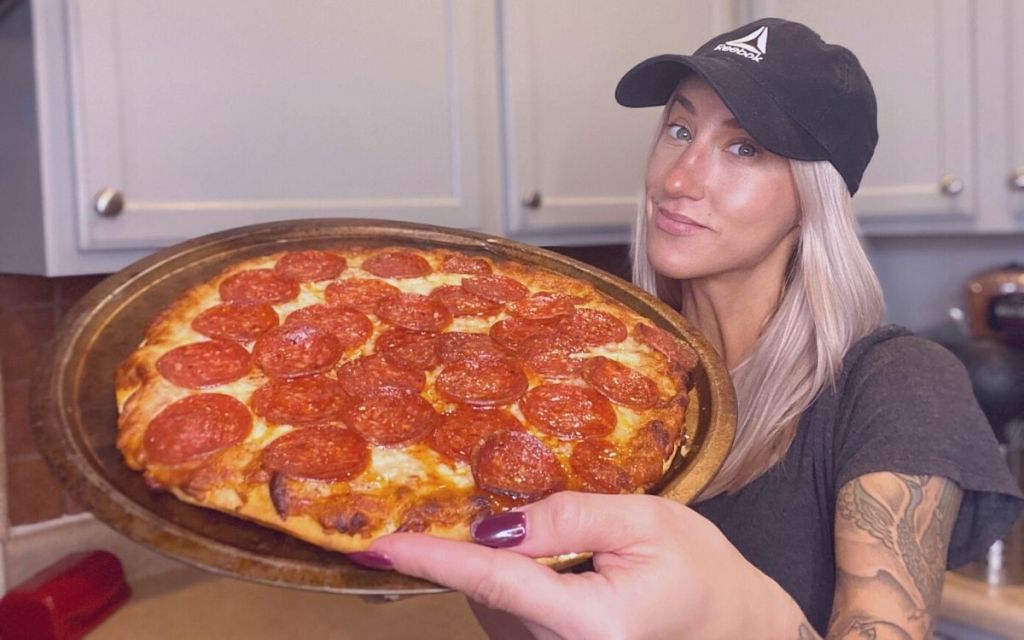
x=684 y=103
x=732 y=123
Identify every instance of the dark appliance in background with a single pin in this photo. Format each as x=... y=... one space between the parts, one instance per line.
x=989 y=340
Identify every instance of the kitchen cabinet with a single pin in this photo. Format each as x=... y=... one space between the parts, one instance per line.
x=162 y=121
x=575 y=158
x=948 y=78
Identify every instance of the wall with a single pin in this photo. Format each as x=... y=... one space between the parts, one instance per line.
x=924 y=276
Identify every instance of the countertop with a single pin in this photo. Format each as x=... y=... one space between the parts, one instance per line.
x=971 y=602
x=189 y=603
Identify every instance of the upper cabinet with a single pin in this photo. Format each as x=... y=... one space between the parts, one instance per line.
x=193 y=116
x=575 y=158
x=134 y=124
x=939 y=128
x=161 y=121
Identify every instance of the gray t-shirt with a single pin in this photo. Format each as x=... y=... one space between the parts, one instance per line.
x=902 y=404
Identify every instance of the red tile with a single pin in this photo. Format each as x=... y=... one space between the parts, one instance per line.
x=18 y=290
x=24 y=334
x=33 y=494
x=17 y=429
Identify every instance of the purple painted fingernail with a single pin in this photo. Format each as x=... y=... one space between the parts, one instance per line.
x=502 y=530
x=371 y=560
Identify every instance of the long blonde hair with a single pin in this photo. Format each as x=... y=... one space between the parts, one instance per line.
x=831 y=298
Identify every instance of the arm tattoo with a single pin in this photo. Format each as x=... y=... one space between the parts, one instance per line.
x=892 y=533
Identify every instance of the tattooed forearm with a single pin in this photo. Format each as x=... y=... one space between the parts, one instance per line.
x=892 y=532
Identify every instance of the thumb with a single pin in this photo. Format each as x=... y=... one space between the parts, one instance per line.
x=572 y=522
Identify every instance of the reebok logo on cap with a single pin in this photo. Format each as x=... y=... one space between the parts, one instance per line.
x=753 y=46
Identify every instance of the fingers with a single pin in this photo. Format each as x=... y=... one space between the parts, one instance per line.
x=490 y=576
x=570 y=522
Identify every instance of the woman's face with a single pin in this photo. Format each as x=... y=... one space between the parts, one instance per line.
x=717 y=202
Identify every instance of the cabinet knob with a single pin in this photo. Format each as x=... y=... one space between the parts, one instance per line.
x=108 y=202
x=532 y=200
x=1017 y=179
x=951 y=185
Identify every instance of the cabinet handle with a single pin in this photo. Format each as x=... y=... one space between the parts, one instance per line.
x=1017 y=179
x=533 y=200
x=951 y=185
x=108 y=202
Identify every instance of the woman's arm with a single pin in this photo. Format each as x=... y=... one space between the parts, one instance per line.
x=892 y=533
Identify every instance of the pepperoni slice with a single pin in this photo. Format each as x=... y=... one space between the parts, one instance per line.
x=457 y=346
x=319 y=453
x=466 y=265
x=298 y=401
x=236 y=321
x=463 y=429
x=310 y=266
x=258 y=285
x=460 y=302
x=496 y=288
x=543 y=306
x=514 y=333
x=667 y=345
x=598 y=463
x=295 y=350
x=414 y=350
x=517 y=465
x=569 y=412
x=620 y=383
x=397 y=264
x=552 y=356
x=393 y=417
x=365 y=376
x=352 y=328
x=196 y=426
x=414 y=311
x=593 y=327
x=205 y=364
x=359 y=293
x=481 y=382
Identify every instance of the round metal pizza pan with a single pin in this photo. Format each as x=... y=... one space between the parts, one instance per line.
x=74 y=415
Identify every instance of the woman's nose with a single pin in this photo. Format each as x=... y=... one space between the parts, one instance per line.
x=687 y=175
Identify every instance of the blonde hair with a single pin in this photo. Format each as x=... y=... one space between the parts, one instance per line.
x=831 y=298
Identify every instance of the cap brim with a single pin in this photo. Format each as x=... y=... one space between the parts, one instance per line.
x=653 y=81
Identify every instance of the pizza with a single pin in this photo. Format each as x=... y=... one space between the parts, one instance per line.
x=344 y=393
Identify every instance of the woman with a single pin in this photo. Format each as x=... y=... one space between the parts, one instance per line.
x=862 y=466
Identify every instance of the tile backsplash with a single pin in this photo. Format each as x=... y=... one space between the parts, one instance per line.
x=31 y=310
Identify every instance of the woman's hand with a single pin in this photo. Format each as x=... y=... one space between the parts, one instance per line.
x=661 y=570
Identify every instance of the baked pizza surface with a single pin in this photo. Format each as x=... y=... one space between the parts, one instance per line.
x=340 y=395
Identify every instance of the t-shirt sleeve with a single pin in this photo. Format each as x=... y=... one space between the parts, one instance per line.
x=908 y=407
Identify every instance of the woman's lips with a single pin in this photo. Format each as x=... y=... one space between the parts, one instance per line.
x=676 y=224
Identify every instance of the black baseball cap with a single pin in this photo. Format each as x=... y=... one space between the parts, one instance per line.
x=794 y=93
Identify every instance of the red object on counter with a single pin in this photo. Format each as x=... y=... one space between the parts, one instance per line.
x=66 y=600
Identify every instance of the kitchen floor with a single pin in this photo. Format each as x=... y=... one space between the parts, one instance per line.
x=190 y=603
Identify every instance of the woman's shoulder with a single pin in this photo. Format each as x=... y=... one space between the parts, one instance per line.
x=892 y=355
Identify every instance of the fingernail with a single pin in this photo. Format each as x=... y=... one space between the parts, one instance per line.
x=502 y=530
x=371 y=560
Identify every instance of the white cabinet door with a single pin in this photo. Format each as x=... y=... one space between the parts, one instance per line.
x=1015 y=76
x=917 y=54
x=206 y=115
x=575 y=158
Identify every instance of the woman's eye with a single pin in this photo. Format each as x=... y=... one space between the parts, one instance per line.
x=678 y=132
x=743 y=149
